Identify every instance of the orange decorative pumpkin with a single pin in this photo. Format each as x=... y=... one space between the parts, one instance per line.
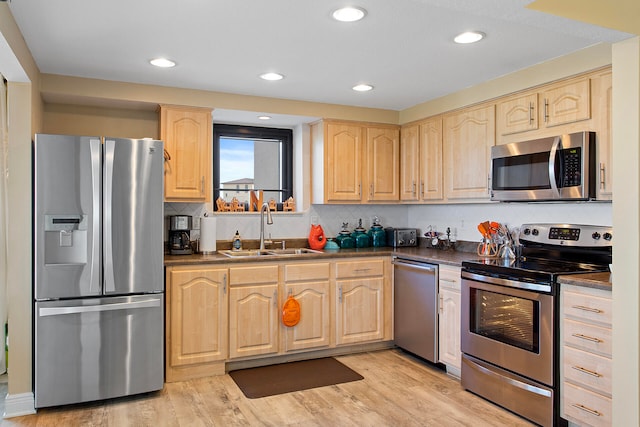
x=291 y=312
x=316 y=237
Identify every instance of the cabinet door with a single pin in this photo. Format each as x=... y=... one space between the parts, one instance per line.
x=566 y=103
x=602 y=107
x=308 y=283
x=449 y=328
x=197 y=308
x=383 y=162
x=187 y=135
x=359 y=310
x=253 y=320
x=313 y=330
x=409 y=163
x=343 y=163
x=431 y=160
x=518 y=114
x=468 y=138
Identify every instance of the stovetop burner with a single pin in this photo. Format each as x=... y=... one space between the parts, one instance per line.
x=550 y=250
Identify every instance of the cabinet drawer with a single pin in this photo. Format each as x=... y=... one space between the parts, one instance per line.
x=588 y=307
x=586 y=407
x=306 y=271
x=588 y=337
x=253 y=275
x=359 y=268
x=588 y=369
x=449 y=277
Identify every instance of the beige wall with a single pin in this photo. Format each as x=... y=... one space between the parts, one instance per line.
x=626 y=222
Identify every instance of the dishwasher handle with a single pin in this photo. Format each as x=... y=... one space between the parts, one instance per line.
x=402 y=262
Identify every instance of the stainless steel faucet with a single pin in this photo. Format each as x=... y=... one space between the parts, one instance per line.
x=265 y=206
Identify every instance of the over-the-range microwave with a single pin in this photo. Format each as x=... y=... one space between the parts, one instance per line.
x=555 y=168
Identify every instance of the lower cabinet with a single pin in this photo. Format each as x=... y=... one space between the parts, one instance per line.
x=196 y=316
x=309 y=284
x=585 y=356
x=253 y=310
x=359 y=301
x=449 y=318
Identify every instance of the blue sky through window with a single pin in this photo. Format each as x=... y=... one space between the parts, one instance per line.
x=236 y=159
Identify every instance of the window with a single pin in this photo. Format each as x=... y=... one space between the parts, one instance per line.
x=247 y=159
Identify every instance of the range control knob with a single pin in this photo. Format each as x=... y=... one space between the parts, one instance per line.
x=526 y=231
x=607 y=236
x=535 y=232
x=596 y=235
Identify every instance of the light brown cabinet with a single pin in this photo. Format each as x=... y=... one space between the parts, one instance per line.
x=309 y=284
x=552 y=105
x=421 y=161
x=468 y=136
x=253 y=310
x=360 y=310
x=586 y=355
x=196 y=321
x=449 y=302
x=601 y=99
x=355 y=162
x=187 y=135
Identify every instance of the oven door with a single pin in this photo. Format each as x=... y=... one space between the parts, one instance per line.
x=509 y=327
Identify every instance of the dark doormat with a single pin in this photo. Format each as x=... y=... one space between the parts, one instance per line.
x=293 y=376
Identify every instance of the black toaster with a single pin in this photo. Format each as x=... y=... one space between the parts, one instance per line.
x=401 y=237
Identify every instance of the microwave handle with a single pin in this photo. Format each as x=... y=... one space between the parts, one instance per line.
x=552 y=165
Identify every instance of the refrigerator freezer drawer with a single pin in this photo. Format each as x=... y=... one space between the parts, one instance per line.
x=92 y=349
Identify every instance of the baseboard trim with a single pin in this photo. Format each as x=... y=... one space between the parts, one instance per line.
x=17 y=405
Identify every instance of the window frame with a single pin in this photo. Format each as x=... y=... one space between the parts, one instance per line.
x=254 y=132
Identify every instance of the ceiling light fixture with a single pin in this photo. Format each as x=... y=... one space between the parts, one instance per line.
x=469 y=37
x=271 y=76
x=363 y=87
x=264 y=117
x=349 y=14
x=162 y=62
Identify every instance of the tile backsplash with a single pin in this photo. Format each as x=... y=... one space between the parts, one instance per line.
x=462 y=219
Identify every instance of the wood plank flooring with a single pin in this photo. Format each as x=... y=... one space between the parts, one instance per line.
x=397 y=390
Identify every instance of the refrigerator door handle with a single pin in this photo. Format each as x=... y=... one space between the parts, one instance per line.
x=96 y=163
x=107 y=198
x=55 y=311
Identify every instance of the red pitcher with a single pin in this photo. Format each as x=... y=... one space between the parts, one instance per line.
x=316 y=237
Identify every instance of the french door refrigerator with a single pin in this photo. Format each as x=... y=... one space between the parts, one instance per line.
x=98 y=268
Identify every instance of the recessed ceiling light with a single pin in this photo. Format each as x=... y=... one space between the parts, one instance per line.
x=264 y=117
x=271 y=76
x=469 y=37
x=349 y=14
x=162 y=62
x=362 y=87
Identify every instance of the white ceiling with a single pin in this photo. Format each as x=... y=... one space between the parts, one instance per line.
x=403 y=48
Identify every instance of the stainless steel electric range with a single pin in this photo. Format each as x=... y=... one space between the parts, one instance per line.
x=510 y=314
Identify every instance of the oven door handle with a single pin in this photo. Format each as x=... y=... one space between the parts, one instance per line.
x=515 y=383
x=506 y=282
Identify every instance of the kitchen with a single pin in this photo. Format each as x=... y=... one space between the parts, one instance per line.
x=439 y=215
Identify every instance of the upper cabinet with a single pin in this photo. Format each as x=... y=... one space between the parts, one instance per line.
x=355 y=162
x=468 y=136
x=187 y=135
x=421 y=161
x=601 y=85
x=553 y=105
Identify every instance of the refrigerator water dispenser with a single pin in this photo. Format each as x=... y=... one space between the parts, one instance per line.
x=65 y=239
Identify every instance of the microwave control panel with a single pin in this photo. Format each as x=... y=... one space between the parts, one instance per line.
x=571 y=167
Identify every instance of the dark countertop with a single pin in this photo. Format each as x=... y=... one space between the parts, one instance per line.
x=435 y=256
x=590 y=280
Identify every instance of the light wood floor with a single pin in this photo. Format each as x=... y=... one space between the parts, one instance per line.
x=397 y=390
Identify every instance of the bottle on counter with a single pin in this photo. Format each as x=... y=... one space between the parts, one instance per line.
x=237 y=242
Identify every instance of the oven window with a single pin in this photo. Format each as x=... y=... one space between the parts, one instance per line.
x=523 y=172
x=505 y=318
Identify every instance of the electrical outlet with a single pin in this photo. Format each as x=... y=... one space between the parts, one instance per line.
x=314 y=219
x=196 y=223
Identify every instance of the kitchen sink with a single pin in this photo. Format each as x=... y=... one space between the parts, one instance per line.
x=293 y=251
x=246 y=253
x=252 y=253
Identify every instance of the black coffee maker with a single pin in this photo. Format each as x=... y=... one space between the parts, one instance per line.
x=179 y=234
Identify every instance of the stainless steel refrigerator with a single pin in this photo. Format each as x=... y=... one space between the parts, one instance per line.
x=98 y=268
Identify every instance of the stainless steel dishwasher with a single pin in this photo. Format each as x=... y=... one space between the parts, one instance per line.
x=415 y=314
